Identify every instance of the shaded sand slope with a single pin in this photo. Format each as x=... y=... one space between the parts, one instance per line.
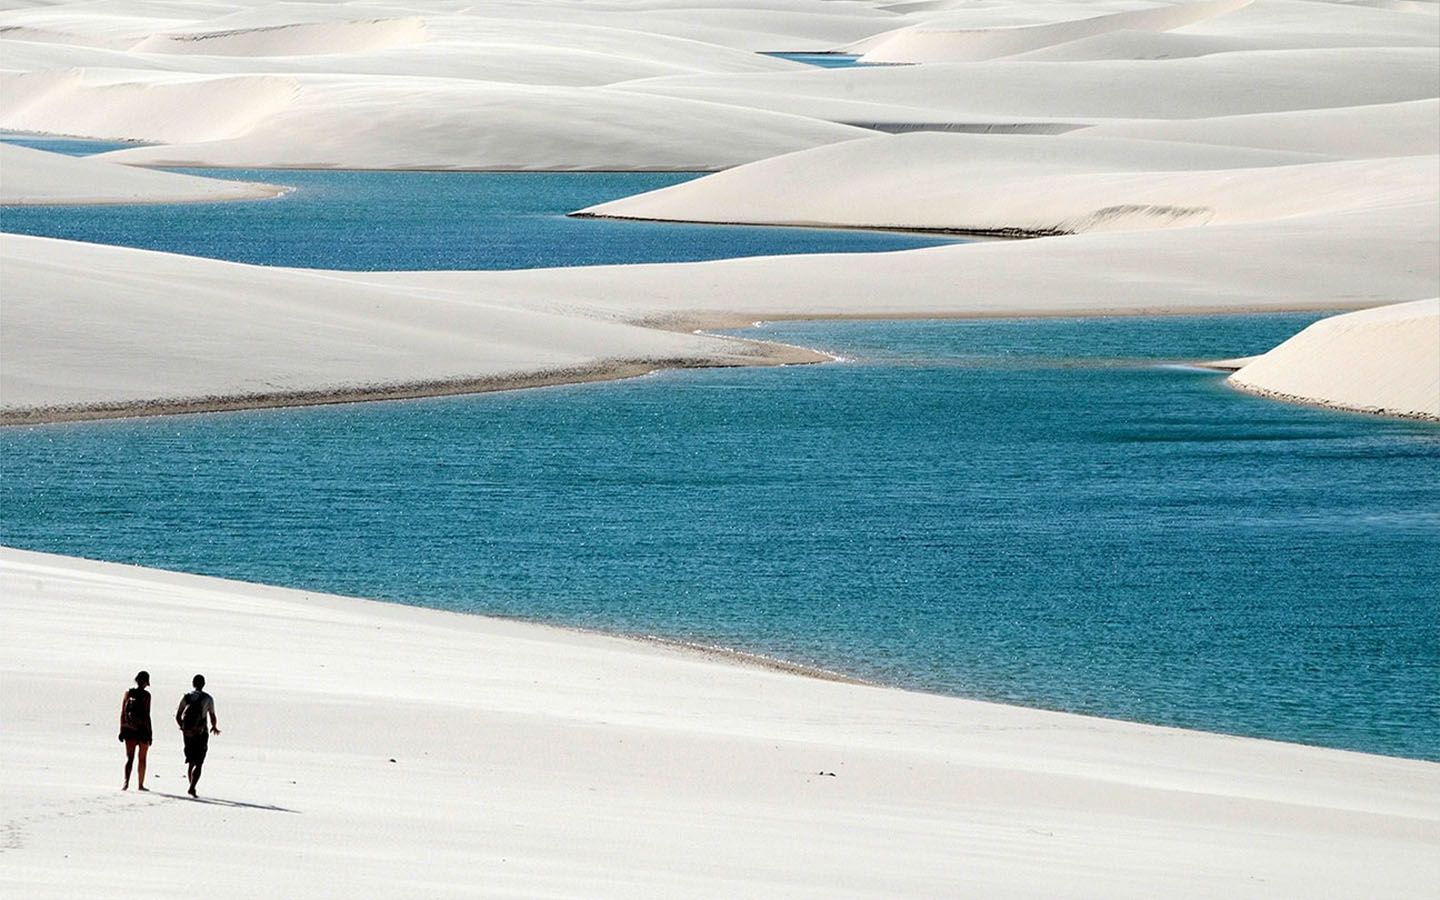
x=159 y=329
x=374 y=749
x=1384 y=360
x=33 y=176
x=400 y=123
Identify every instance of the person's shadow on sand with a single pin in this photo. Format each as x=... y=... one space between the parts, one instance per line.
x=215 y=801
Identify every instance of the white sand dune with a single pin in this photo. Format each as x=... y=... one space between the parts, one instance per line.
x=1352 y=132
x=1344 y=259
x=380 y=750
x=556 y=53
x=733 y=31
x=994 y=15
x=1089 y=91
x=1167 y=31
x=764 y=25
x=999 y=183
x=145 y=108
x=298 y=39
x=33 y=176
x=363 y=122
x=767 y=25
x=158 y=329
x=115 y=26
x=1325 y=24
x=930 y=43
x=1177 y=45
x=369 y=86
x=1384 y=360
x=366 y=122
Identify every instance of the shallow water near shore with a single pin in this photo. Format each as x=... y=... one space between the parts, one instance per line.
x=1053 y=512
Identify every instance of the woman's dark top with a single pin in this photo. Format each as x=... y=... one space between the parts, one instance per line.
x=135 y=719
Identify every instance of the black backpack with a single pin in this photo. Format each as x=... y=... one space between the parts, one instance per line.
x=134 y=699
x=192 y=718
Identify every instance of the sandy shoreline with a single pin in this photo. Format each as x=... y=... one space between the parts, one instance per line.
x=780 y=355
x=258 y=195
x=147 y=201
x=993 y=234
x=741 y=658
x=1301 y=400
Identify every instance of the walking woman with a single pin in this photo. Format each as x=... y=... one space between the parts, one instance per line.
x=135 y=726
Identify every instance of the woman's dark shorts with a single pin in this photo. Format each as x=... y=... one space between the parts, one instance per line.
x=135 y=734
x=196 y=746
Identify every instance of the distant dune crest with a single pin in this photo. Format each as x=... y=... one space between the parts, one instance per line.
x=301 y=39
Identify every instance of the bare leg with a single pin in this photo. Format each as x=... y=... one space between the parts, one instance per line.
x=130 y=761
x=195 y=777
x=144 y=751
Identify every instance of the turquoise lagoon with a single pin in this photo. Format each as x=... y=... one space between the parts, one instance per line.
x=1054 y=512
x=1039 y=512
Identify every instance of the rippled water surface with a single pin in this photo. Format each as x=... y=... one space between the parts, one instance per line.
x=1046 y=512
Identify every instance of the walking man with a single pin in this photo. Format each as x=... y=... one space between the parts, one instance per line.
x=190 y=716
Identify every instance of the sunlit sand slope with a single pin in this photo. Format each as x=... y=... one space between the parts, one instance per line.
x=1057 y=184
x=1384 y=360
x=374 y=749
x=98 y=327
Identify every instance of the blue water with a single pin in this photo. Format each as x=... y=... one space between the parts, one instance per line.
x=67 y=146
x=823 y=60
x=434 y=220
x=1040 y=512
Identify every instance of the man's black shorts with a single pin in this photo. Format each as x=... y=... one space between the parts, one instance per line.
x=195 y=747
